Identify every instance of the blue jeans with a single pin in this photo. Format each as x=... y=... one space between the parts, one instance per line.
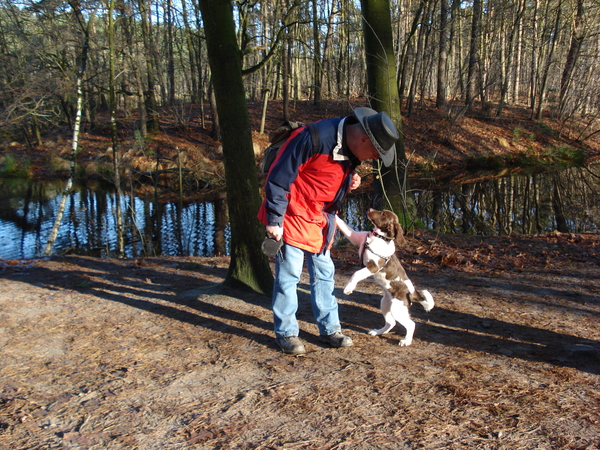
x=288 y=268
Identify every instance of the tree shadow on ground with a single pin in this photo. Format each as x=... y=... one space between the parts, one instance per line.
x=470 y=331
x=176 y=296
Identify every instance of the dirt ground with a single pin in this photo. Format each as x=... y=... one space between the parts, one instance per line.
x=137 y=354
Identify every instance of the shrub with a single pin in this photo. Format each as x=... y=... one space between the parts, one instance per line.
x=519 y=133
x=565 y=155
x=10 y=167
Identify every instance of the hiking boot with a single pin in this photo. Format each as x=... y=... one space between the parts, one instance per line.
x=291 y=345
x=337 y=339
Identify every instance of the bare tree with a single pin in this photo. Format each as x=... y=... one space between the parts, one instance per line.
x=318 y=69
x=578 y=35
x=113 y=128
x=150 y=103
x=442 y=68
x=75 y=141
x=473 y=53
x=507 y=62
x=249 y=268
x=548 y=56
x=383 y=95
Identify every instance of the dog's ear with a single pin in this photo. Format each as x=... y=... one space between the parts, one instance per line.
x=399 y=232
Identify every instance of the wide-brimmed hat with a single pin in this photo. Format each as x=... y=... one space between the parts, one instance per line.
x=381 y=130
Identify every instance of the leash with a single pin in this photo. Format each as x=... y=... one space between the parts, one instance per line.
x=386 y=258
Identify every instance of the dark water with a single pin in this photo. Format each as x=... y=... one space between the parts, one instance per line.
x=566 y=201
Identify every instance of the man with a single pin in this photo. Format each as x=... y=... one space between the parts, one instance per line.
x=304 y=191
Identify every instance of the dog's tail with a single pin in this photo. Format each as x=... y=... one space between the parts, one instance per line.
x=424 y=298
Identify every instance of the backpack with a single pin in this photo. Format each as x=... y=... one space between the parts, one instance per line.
x=279 y=136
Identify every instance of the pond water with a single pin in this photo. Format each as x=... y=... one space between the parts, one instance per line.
x=567 y=201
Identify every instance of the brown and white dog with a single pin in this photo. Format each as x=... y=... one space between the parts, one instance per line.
x=377 y=251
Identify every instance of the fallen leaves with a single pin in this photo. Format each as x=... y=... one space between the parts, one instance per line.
x=499 y=253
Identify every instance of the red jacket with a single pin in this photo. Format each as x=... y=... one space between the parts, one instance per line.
x=304 y=191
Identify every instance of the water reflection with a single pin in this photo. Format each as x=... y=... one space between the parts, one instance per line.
x=28 y=209
x=567 y=202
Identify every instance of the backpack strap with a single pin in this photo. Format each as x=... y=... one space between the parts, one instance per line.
x=314 y=135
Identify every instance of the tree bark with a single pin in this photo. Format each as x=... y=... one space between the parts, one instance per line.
x=285 y=79
x=473 y=53
x=507 y=64
x=417 y=67
x=442 y=69
x=285 y=67
x=150 y=104
x=577 y=38
x=549 y=61
x=404 y=56
x=318 y=68
x=170 y=60
x=76 y=127
x=383 y=95
x=113 y=129
x=193 y=61
x=249 y=269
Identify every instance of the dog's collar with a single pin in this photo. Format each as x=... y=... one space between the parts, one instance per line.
x=385 y=238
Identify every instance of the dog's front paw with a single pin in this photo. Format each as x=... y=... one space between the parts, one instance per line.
x=373 y=333
x=349 y=289
x=405 y=342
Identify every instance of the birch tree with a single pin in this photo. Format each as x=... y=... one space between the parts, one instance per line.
x=76 y=127
x=113 y=128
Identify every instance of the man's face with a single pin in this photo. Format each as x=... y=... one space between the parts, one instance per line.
x=363 y=148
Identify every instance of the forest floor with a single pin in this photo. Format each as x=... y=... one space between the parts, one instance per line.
x=142 y=354
x=137 y=354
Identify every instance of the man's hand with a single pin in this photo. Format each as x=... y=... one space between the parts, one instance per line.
x=275 y=232
x=355 y=183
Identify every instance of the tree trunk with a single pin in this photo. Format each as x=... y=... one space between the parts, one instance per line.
x=285 y=67
x=404 y=57
x=170 y=60
x=327 y=49
x=318 y=68
x=507 y=64
x=558 y=206
x=194 y=70
x=75 y=142
x=577 y=38
x=442 y=68
x=150 y=103
x=534 y=56
x=549 y=60
x=216 y=128
x=249 y=268
x=383 y=94
x=417 y=69
x=516 y=86
x=113 y=129
x=285 y=79
x=473 y=53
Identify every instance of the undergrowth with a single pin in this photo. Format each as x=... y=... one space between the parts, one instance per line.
x=552 y=158
x=11 y=167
